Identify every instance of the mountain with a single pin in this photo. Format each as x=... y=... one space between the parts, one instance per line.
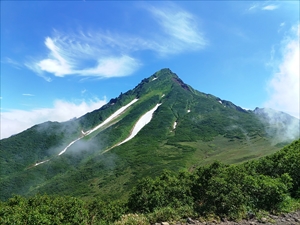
x=160 y=124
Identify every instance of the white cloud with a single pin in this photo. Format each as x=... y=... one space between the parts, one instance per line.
x=26 y=94
x=262 y=6
x=12 y=122
x=180 y=28
x=107 y=54
x=285 y=84
x=270 y=7
x=112 y=67
x=55 y=63
x=281 y=27
x=12 y=62
x=67 y=57
x=35 y=67
x=253 y=7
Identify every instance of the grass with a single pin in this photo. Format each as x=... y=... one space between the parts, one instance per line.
x=229 y=152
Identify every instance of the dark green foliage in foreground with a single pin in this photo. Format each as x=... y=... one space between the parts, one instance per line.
x=231 y=191
x=165 y=190
x=285 y=161
x=43 y=209
x=223 y=190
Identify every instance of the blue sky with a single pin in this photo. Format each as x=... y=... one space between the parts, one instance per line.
x=61 y=59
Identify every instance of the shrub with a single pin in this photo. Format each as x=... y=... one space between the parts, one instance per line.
x=165 y=190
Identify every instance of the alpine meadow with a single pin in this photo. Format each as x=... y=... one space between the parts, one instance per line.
x=161 y=151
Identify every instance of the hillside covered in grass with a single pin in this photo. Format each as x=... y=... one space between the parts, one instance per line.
x=268 y=185
x=87 y=157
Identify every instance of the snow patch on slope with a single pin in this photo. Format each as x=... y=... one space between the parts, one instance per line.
x=113 y=116
x=174 y=125
x=110 y=118
x=65 y=149
x=41 y=162
x=143 y=121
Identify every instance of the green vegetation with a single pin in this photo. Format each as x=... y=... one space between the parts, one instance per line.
x=208 y=129
x=225 y=191
x=267 y=185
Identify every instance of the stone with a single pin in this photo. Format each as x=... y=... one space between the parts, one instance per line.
x=224 y=219
x=263 y=220
x=251 y=215
x=190 y=221
x=273 y=217
x=164 y=223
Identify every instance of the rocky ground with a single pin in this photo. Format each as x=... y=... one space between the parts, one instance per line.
x=283 y=219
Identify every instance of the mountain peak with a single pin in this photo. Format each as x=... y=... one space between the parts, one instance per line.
x=163 y=80
x=166 y=73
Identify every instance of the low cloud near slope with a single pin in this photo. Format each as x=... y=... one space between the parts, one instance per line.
x=15 y=121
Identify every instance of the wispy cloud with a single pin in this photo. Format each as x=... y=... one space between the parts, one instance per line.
x=68 y=57
x=13 y=122
x=33 y=65
x=262 y=6
x=181 y=28
x=56 y=63
x=26 y=94
x=112 y=67
x=252 y=7
x=270 y=7
x=106 y=54
x=284 y=86
x=12 y=62
x=281 y=27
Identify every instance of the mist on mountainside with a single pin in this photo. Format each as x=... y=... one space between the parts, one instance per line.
x=279 y=125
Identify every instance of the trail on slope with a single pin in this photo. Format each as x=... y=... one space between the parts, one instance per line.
x=109 y=119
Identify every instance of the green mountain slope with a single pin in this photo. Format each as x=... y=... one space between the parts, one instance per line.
x=189 y=128
x=251 y=191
